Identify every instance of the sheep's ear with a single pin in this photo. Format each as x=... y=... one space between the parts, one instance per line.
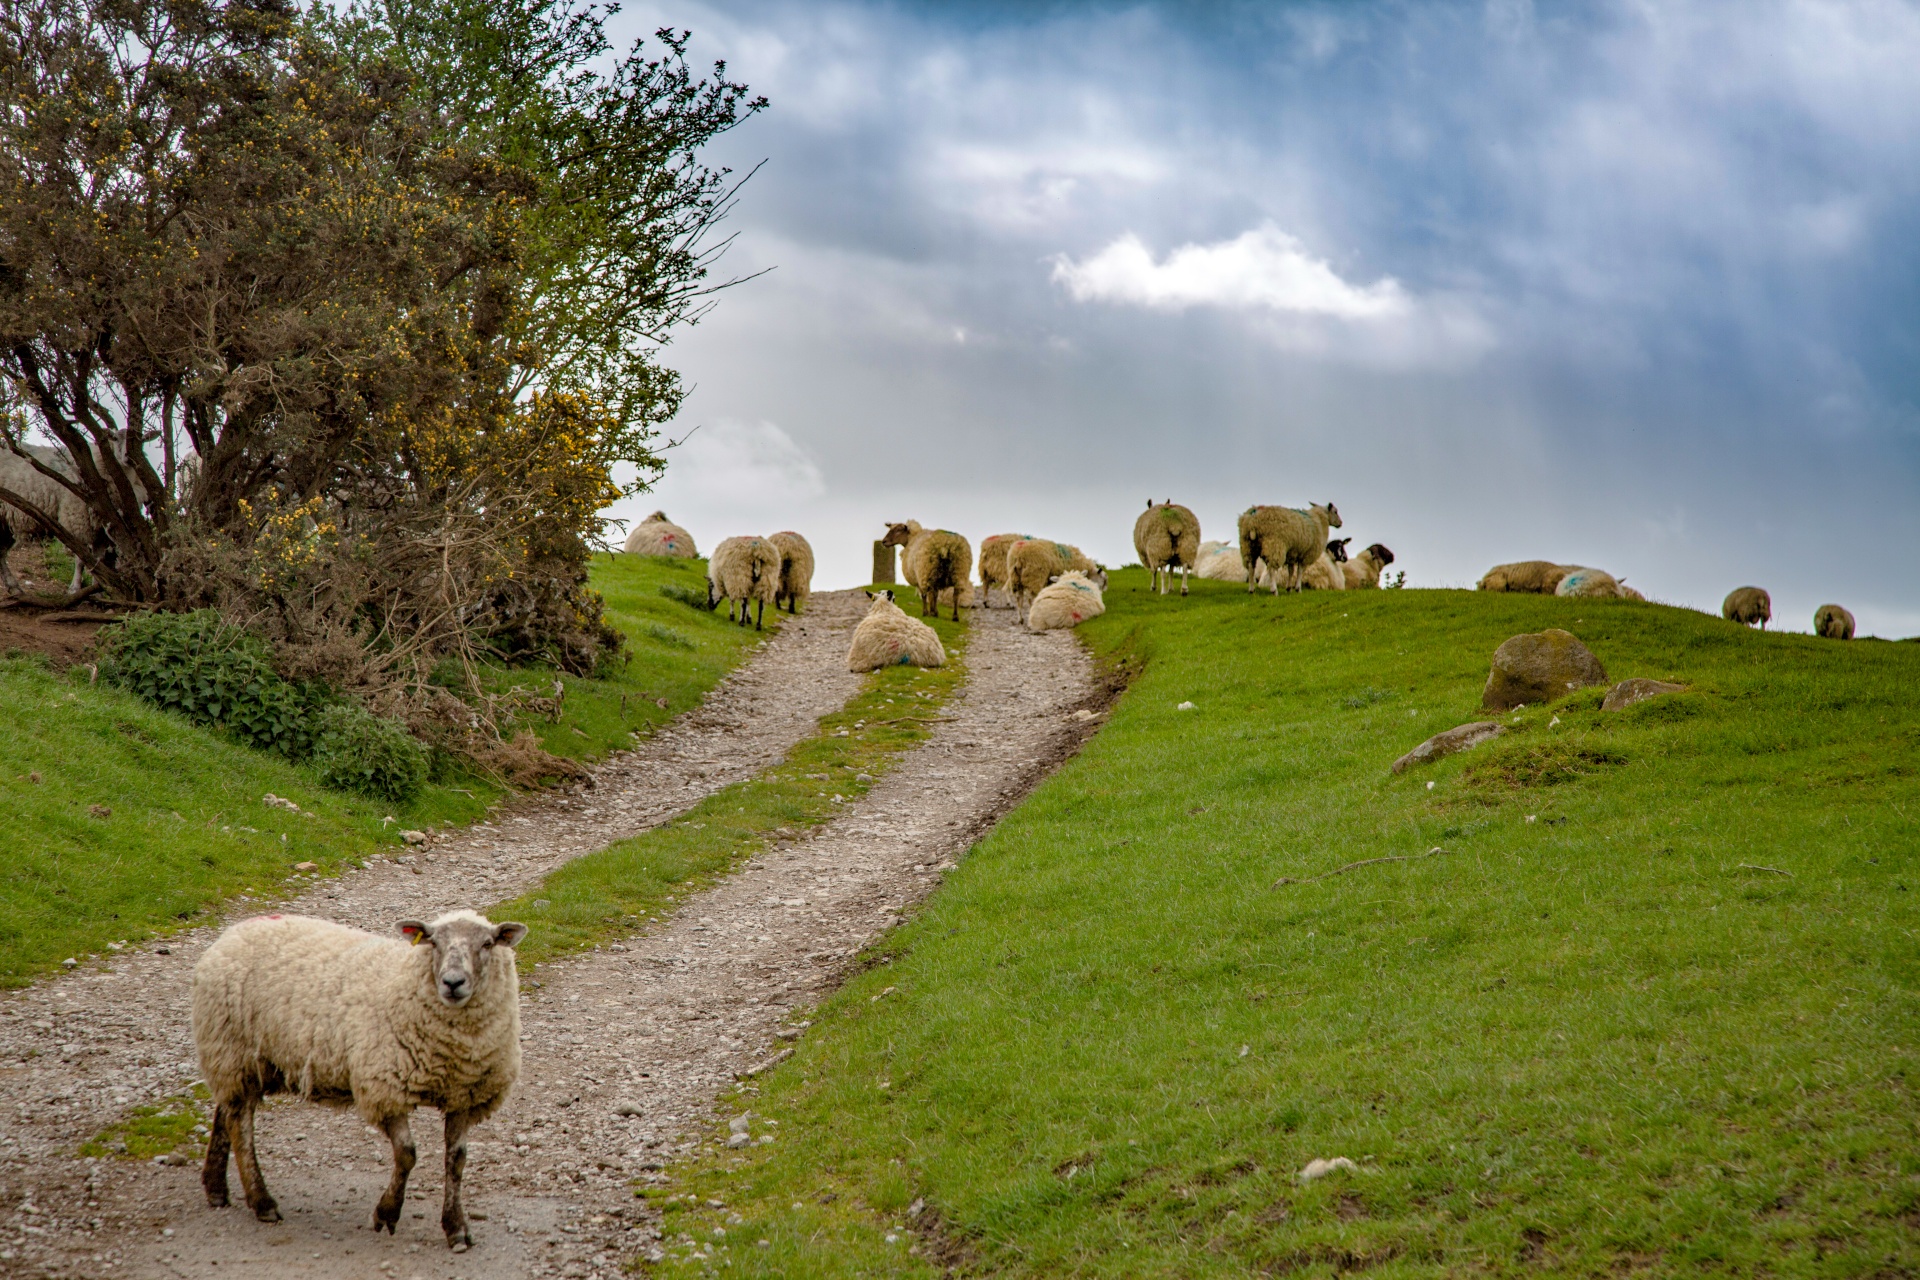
x=414 y=931
x=510 y=933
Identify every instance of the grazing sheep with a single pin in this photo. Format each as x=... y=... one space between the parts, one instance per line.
x=1034 y=562
x=1536 y=577
x=746 y=570
x=935 y=561
x=289 y=1004
x=1364 y=570
x=1589 y=583
x=1288 y=539
x=887 y=637
x=1167 y=537
x=1067 y=601
x=659 y=536
x=1746 y=606
x=796 y=569
x=53 y=499
x=993 y=564
x=1833 y=622
x=1220 y=562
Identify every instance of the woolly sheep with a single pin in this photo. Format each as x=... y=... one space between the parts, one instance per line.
x=659 y=536
x=1288 y=539
x=746 y=570
x=1364 y=570
x=1538 y=577
x=1067 y=601
x=1746 y=606
x=887 y=637
x=1589 y=583
x=993 y=564
x=1326 y=573
x=290 y=1004
x=1034 y=562
x=936 y=561
x=796 y=569
x=1833 y=622
x=1220 y=562
x=53 y=499
x=1167 y=537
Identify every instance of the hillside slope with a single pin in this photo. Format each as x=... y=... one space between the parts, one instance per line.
x=1652 y=1009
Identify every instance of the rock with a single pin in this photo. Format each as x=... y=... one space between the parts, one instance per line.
x=1539 y=667
x=100 y=810
x=629 y=1109
x=1638 y=689
x=306 y=866
x=414 y=837
x=738 y=1140
x=1185 y=706
x=1321 y=1168
x=1459 y=738
x=280 y=802
x=739 y=1123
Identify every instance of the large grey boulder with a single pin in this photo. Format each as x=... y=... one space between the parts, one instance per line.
x=1445 y=744
x=1539 y=667
x=1638 y=689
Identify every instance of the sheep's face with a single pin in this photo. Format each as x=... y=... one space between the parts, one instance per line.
x=1332 y=513
x=1337 y=550
x=461 y=945
x=1379 y=552
x=897 y=535
x=1098 y=577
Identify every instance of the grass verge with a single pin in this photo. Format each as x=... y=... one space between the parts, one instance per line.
x=616 y=891
x=1655 y=1010
x=156 y=1129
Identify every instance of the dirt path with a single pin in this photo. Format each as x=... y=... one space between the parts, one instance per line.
x=654 y=1029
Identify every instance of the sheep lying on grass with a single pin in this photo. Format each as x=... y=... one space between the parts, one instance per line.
x=796 y=569
x=1747 y=606
x=746 y=570
x=1833 y=622
x=1219 y=562
x=1328 y=573
x=289 y=1004
x=1034 y=562
x=659 y=536
x=1536 y=577
x=1595 y=584
x=936 y=561
x=993 y=565
x=887 y=637
x=1167 y=537
x=1067 y=601
x=1288 y=539
x=1364 y=570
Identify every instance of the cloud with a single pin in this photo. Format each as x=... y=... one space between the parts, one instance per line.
x=731 y=463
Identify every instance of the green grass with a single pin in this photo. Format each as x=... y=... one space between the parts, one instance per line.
x=1599 y=1041
x=155 y=1129
x=616 y=891
x=186 y=829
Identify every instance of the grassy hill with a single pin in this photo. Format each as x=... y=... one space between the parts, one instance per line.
x=1652 y=1010
x=118 y=821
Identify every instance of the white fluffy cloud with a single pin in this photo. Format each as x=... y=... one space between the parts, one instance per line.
x=729 y=463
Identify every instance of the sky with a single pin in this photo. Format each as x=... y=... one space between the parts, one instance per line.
x=1633 y=285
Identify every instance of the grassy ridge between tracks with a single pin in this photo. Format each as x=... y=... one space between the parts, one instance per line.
x=1652 y=1011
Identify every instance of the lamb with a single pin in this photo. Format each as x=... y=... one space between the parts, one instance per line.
x=888 y=637
x=290 y=1004
x=1833 y=622
x=51 y=498
x=1067 y=601
x=1034 y=562
x=1288 y=539
x=747 y=570
x=936 y=561
x=1219 y=562
x=659 y=536
x=1364 y=570
x=993 y=564
x=1167 y=537
x=796 y=569
x=1746 y=606
x=1537 y=577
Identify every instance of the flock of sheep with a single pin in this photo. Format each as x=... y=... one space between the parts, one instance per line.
x=1749 y=606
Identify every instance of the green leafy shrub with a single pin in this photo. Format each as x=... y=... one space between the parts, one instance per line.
x=211 y=673
x=686 y=595
x=355 y=750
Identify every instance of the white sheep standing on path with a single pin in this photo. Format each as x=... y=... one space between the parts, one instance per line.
x=290 y=1004
x=1289 y=539
x=796 y=569
x=935 y=562
x=746 y=570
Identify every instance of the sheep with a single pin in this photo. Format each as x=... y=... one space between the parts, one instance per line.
x=1288 y=539
x=796 y=569
x=1220 y=562
x=1326 y=574
x=659 y=536
x=290 y=1004
x=1067 y=601
x=1364 y=570
x=993 y=564
x=936 y=561
x=1833 y=622
x=1589 y=583
x=52 y=499
x=1166 y=537
x=1034 y=562
x=1537 y=577
x=888 y=637
x=1746 y=606
x=747 y=570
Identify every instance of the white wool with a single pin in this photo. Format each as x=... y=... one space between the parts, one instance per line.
x=887 y=637
x=1066 y=602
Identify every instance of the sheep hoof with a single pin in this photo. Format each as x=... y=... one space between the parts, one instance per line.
x=268 y=1212
x=218 y=1199
x=460 y=1243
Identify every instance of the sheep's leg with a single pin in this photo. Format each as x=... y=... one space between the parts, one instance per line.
x=760 y=614
x=6 y=570
x=213 y=1174
x=453 y=1215
x=240 y=1134
x=1183 y=579
x=400 y=1134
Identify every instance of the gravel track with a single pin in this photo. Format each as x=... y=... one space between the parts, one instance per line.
x=626 y=1048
